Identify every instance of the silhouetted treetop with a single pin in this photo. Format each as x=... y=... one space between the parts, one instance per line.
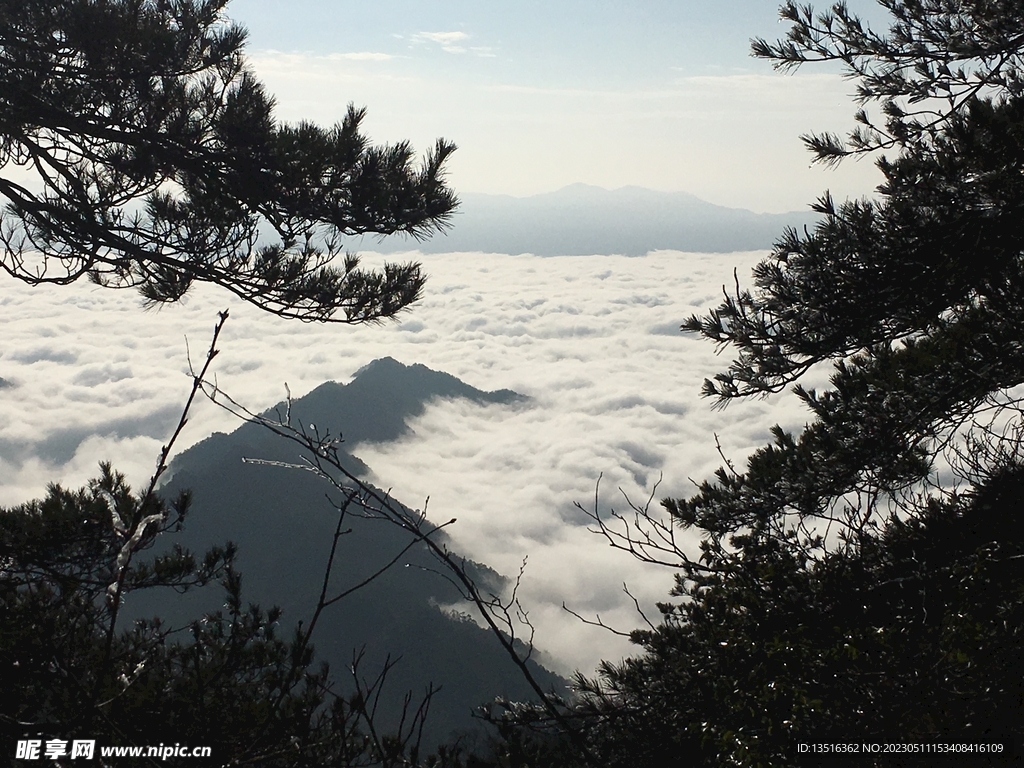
x=936 y=58
x=139 y=149
x=938 y=253
x=914 y=298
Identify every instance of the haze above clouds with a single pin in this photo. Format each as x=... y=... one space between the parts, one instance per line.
x=580 y=220
x=592 y=340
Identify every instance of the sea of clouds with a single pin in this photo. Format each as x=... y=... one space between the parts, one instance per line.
x=594 y=342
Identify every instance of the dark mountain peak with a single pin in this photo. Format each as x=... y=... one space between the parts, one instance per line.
x=373 y=367
x=404 y=389
x=375 y=406
x=285 y=525
x=4 y=383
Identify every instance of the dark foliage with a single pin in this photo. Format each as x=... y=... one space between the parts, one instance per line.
x=914 y=637
x=228 y=679
x=915 y=298
x=156 y=161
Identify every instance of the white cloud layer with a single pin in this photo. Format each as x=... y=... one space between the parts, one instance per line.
x=592 y=340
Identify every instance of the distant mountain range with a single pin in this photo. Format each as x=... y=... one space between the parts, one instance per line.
x=283 y=526
x=582 y=219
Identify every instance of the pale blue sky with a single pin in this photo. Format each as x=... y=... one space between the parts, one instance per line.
x=542 y=94
x=576 y=41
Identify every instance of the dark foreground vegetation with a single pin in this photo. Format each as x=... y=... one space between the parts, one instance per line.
x=862 y=580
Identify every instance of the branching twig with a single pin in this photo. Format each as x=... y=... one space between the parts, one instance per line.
x=138 y=532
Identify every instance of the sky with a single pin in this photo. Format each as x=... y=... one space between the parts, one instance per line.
x=537 y=95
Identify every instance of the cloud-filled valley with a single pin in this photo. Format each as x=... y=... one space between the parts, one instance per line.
x=592 y=341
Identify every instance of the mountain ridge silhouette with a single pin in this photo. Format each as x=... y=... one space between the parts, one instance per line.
x=283 y=523
x=582 y=219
